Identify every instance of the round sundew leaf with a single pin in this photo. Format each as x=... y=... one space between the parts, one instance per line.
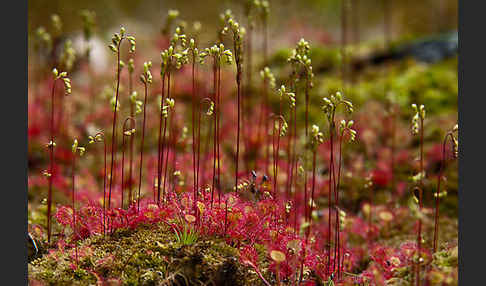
x=385 y=216
x=201 y=207
x=277 y=256
x=152 y=207
x=295 y=245
x=366 y=209
x=190 y=218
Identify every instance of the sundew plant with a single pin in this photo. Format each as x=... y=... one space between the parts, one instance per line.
x=254 y=146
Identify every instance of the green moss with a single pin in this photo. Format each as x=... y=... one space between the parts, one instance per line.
x=149 y=255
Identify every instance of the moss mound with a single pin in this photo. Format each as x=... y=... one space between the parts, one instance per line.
x=149 y=255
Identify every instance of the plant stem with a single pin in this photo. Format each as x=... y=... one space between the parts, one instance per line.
x=240 y=106
x=219 y=134
x=51 y=164
x=293 y=179
x=248 y=94
x=132 y=120
x=123 y=168
x=331 y=167
x=173 y=135
x=289 y=157
x=338 y=222
x=306 y=141
x=419 y=234
x=160 y=156
x=437 y=193
x=225 y=217
x=130 y=170
x=312 y=192
x=265 y=93
x=196 y=179
x=141 y=147
x=166 y=147
x=193 y=134
x=387 y=36
x=215 y=133
x=113 y=130
x=74 y=209
x=104 y=184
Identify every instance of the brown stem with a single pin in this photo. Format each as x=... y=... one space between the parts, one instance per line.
x=437 y=193
x=51 y=164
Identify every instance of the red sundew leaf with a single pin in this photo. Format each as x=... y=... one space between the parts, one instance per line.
x=381 y=177
x=64 y=215
x=249 y=254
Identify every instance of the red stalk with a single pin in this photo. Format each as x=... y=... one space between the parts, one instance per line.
x=193 y=134
x=240 y=106
x=199 y=152
x=166 y=147
x=74 y=209
x=338 y=227
x=312 y=191
x=290 y=156
x=419 y=233
x=219 y=134
x=104 y=179
x=173 y=136
x=160 y=156
x=331 y=168
x=248 y=92
x=293 y=169
x=130 y=170
x=141 y=147
x=113 y=130
x=215 y=137
x=265 y=93
x=132 y=120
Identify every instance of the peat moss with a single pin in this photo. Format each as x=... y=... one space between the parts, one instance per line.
x=148 y=255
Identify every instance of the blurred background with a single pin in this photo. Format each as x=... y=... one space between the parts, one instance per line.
x=409 y=17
